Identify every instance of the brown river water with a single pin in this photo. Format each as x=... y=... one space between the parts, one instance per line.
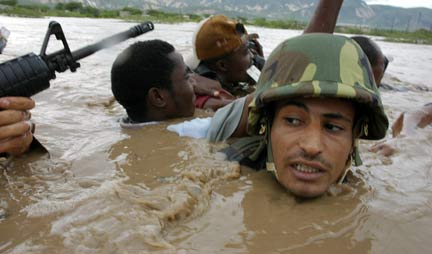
x=108 y=190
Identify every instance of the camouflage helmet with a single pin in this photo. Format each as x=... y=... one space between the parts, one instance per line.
x=320 y=65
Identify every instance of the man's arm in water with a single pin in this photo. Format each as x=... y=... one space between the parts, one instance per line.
x=406 y=124
x=325 y=17
x=15 y=127
x=323 y=21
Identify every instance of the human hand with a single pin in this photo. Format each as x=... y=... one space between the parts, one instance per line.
x=206 y=86
x=15 y=127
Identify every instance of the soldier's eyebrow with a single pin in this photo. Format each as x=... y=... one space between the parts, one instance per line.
x=329 y=115
x=295 y=103
x=337 y=116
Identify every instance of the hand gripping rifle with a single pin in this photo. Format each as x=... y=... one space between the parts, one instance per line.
x=30 y=74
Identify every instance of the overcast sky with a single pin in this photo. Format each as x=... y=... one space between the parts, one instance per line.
x=403 y=3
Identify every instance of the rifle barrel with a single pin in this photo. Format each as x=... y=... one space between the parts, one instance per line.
x=112 y=40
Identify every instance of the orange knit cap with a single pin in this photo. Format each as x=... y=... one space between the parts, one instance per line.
x=219 y=36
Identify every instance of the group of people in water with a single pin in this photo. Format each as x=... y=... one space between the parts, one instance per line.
x=316 y=96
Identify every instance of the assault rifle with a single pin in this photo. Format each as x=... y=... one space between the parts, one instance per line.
x=30 y=74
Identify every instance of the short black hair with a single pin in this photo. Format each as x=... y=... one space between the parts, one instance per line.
x=368 y=48
x=138 y=68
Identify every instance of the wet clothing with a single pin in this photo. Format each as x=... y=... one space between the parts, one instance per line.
x=206 y=72
x=202 y=99
x=248 y=151
x=238 y=90
x=220 y=127
x=128 y=123
x=195 y=128
x=226 y=120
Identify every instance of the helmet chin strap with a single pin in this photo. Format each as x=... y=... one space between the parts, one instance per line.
x=355 y=155
x=361 y=129
x=347 y=168
x=266 y=123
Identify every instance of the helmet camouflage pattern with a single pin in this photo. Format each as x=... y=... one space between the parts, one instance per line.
x=320 y=65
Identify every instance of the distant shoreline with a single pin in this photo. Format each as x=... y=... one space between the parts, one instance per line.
x=74 y=9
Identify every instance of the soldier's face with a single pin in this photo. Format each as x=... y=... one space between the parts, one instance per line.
x=312 y=140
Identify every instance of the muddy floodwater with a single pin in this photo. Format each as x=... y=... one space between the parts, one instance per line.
x=108 y=190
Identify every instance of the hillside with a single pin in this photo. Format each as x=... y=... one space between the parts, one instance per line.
x=354 y=12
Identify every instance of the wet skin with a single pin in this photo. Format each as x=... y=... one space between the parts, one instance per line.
x=15 y=129
x=182 y=103
x=378 y=68
x=238 y=63
x=312 y=140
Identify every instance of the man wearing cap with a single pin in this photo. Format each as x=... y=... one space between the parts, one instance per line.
x=222 y=48
x=223 y=52
x=315 y=98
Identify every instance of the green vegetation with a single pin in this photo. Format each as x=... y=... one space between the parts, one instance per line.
x=9 y=2
x=72 y=9
x=76 y=9
x=420 y=36
x=288 y=24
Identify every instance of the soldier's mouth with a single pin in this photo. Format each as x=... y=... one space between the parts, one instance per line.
x=306 y=169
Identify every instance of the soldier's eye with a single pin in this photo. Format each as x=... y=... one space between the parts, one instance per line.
x=293 y=121
x=333 y=127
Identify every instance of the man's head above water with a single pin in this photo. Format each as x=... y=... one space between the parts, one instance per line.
x=150 y=80
x=316 y=96
x=377 y=59
x=222 y=44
